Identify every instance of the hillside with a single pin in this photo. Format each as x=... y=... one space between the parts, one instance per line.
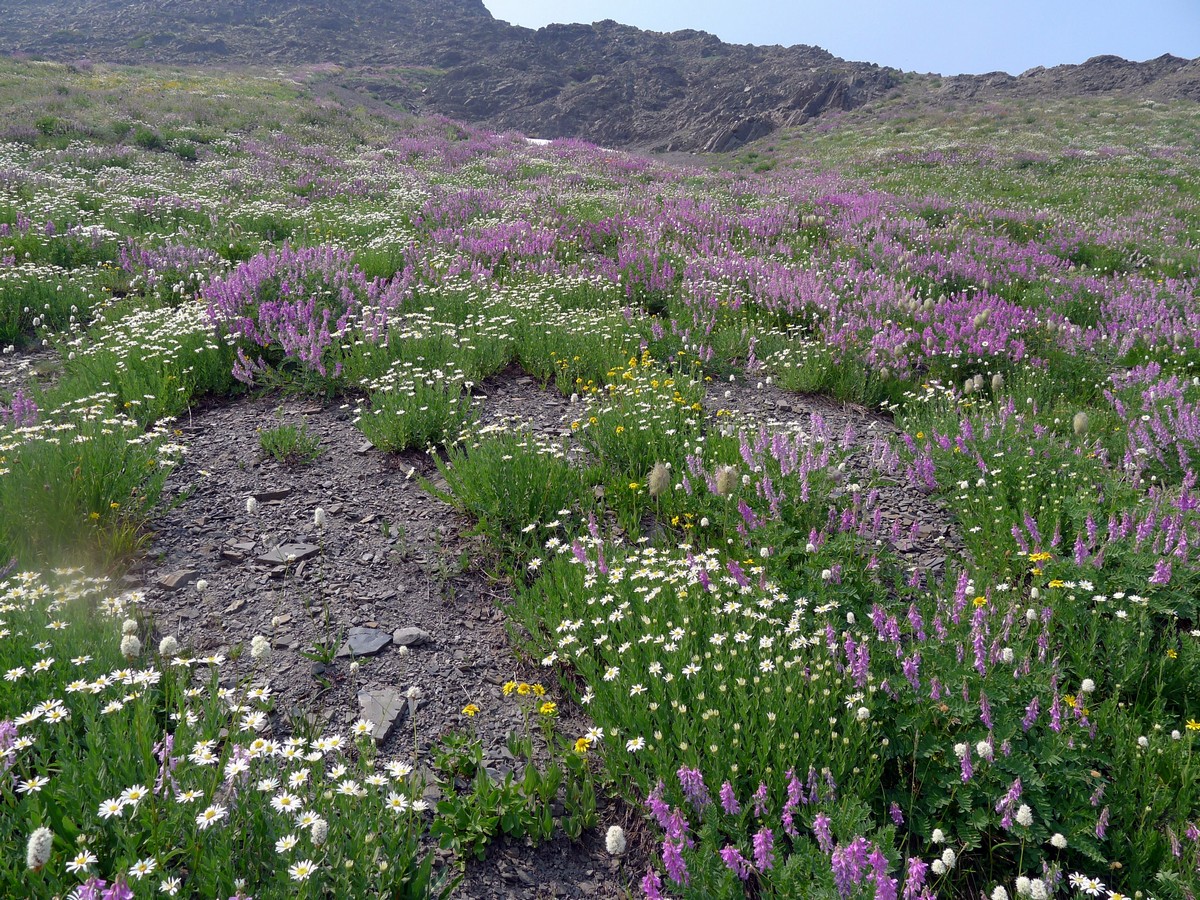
x=608 y=83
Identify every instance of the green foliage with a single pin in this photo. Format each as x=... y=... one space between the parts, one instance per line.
x=289 y=443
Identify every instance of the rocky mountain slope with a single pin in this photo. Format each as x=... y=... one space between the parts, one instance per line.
x=608 y=83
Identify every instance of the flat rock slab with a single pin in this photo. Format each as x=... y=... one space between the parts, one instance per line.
x=364 y=642
x=173 y=581
x=383 y=708
x=411 y=637
x=268 y=496
x=288 y=553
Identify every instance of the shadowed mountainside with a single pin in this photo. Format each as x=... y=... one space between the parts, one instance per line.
x=609 y=83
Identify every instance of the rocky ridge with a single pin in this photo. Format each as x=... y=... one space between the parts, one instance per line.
x=608 y=83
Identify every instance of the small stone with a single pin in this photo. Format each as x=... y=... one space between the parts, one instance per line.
x=286 y=554
x=364 y=642
x=382 y=707
x=173 y=581
x=317 y=668
x=236 y=605
x=411 y=637
x=364 y=448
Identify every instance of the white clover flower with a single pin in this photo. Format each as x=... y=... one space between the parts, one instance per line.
x=938 y=867
x=1037 y=890
x=131 y=647
x=168 y=646
x=983 y=749
x=319 y=517
x=960 y=750
x=826 y=574
x=614 y=840
x=1143 y=742
x=938 y=836
x=862 y=714
x=1022 y=886
x=1058 y=841
x=41 y=842
x=1087 y=687
x=1006 y=655
x=201 y=586
x=949 y=858
x=251 y=505
x=999 y=893
x=129 y=626
x=260 y=648
x=1024 y=815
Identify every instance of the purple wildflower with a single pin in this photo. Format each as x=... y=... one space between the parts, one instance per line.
x=735 y=862
x=914 y=880
x=694 y=789
x=729 y=801
x=824 y=835
x=764 y=849
x=673 y=861
x=652 y=886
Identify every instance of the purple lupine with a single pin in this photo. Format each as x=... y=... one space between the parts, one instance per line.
x=823 y=832
x=652 y=886
x=118 y=890
x=167 y=764
x=21 y=412
x=911 y=669
x=760 y=799
x=673 y=861
x=729 y=801
x=849 y=865
x=965 y=766
x=735 y=862
x=914 y=879
x=1007 y=804
x=896 y=814
x=985 y=711
x=91 y=889
x=885 y=886
x=764 y=849
x=659 y=808
x=8 y=736
x=694 y=789
x=1162 y=572
x=1102 y=824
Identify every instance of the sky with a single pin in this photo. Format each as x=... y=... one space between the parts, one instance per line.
x=950 y=37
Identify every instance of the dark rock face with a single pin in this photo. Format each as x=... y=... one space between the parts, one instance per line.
x=609 y=83
x=1164 y=78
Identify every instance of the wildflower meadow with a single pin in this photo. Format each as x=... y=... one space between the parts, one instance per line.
x=945 y=647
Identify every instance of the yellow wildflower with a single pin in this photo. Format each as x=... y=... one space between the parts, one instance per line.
x=548 y=708
x=509 y=687
x=470 y=709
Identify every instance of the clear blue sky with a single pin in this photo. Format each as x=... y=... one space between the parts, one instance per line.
x=946 y=36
